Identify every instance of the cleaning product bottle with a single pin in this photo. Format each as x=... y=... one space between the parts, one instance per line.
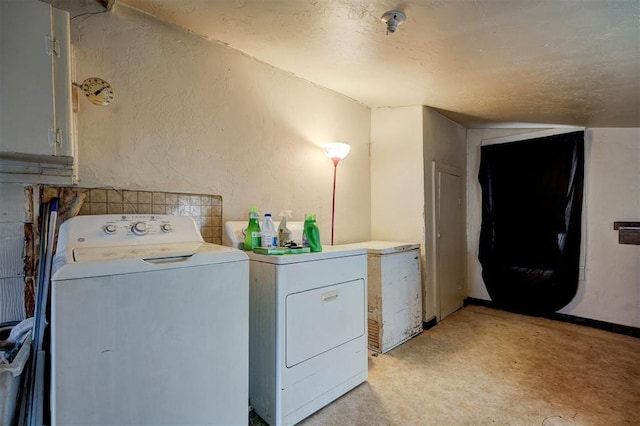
x=311 y=232
x=252 y=235
x=284 y=234
x=268 y=232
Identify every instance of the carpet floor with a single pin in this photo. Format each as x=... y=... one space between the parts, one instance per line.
x=482 y=366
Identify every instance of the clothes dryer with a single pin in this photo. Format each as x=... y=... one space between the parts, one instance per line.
x=308 y=329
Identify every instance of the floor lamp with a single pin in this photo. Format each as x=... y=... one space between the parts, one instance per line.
x=336 y=151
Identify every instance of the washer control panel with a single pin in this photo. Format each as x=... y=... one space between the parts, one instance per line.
x=124 y=230
x=138 y=225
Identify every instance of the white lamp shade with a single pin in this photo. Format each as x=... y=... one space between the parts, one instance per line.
x=337 y=150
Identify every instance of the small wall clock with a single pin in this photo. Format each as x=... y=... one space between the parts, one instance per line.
x=97 y=90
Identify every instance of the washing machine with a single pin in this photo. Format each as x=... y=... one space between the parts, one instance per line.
x=307 y=329
x=149 y=324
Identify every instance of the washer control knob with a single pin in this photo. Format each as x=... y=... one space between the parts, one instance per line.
x=166 y=227
x=140 y=228
x=110 y=228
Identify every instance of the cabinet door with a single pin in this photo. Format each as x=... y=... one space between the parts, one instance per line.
x=26 y=78
x=63 y=116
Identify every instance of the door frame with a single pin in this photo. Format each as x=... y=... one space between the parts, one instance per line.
x=435 y=243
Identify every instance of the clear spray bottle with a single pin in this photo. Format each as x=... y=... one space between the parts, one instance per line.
x=284 y=234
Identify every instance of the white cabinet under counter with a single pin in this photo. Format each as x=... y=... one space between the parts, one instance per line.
x=36 y=118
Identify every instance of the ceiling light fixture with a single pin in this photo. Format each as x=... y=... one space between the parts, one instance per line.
x=393 y=18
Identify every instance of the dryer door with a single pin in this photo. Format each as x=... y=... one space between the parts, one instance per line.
x=324 y=318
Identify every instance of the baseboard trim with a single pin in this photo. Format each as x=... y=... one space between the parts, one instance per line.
x=429 y=324
x=602 y=325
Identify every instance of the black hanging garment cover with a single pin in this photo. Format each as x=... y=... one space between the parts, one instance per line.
x=531 y=222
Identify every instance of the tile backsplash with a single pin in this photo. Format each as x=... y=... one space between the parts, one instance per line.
x=205 y=209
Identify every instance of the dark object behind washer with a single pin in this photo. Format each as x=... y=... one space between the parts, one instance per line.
x=531 y=222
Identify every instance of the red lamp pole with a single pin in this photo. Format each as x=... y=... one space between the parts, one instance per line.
x=333 y=204
x=336 y=151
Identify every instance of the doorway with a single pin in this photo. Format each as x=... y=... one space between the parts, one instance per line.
x=449 y=256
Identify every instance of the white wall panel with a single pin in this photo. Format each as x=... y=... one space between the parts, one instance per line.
x=11 y=249
x=12 y=203
x=12 y=299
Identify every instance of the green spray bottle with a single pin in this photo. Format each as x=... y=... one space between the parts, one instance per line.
x=252 y=235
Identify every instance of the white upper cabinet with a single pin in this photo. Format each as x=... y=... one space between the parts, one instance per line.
x=36 y=119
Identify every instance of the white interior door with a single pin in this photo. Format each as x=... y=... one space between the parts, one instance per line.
x=449 y=241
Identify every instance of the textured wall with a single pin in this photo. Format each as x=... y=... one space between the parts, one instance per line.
x=404 y=143
x=192 y=115
x=397 y=175
x=397 y=183
x=610 y=290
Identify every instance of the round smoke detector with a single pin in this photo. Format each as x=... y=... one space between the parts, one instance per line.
x=393 y=18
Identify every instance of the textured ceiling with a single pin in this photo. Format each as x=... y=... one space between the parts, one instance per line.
x=574 y=62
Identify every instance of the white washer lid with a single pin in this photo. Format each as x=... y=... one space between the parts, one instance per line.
x=145 y=252
x=105 y=261
x=384 y=247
